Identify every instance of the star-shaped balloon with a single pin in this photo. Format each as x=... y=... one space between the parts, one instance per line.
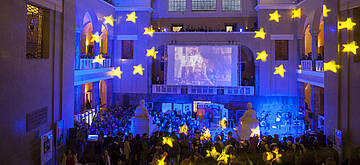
x=98 y=59
x=151 y=52
x=183 y=129
x=117 y=72
x=131 y=17
x=222 y=123
x=260 y=34
x=255 y=131
x=262 y=56
x=325 y=11
x=168 y=141
x=138 y=70
x=95 y=37
x=223 y=157
x=348 y=24
x=350 y=47
x=212 y=153
x=296 y=13
x=109 y=20
x=274 y=16
x=280 y=70
x=331 y=66
x=149 y=31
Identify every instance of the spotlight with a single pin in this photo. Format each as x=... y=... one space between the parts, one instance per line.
x=241 y=29
x=164 y=30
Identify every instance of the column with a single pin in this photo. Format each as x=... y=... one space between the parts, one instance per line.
x=315 y=105
x=314 y=35
x=300 y=45
x=95 y=94
x=77 y=99
x=97 y=52
x=77 y=47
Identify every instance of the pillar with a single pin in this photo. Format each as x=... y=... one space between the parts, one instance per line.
x=97 y=52
x=314 y=35
x=77 y=47
x=300 y=46
x=315 y=105
x=77 y=99
x=95 y=94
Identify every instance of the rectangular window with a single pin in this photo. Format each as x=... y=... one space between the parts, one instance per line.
x=231 y=5
x=127 y=49
x=203 y=5
x=176 y=5
x=37 y=32
x=281 y=49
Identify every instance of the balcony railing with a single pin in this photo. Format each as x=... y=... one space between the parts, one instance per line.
x=203 y=90
x=319 y=64
x=307 y=65
x=88 y=64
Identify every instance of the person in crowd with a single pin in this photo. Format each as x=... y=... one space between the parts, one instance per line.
x=231 y=141
x=144 y=149
x=196 y=143
x=69 y=158
x=105 y=158
x=219 y=146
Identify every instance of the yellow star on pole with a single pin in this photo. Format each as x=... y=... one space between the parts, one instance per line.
x=255 y=131
x=149 y=31
x=206 y=135
x=350 y=48
x=117 y=72
x=348 y=24
x=213 y=153
x=151 y=52
x=138 y=70
x=183 y=129
x=168 y=141
x=325 y=11
x=109 y=20
x=95 y=37
x=331 y=66
x=98 y=59
x=162 y=160
x=131 y=17
x=274 y=16
x=280 y=70
x=222 y=123
x=262 y=56
x=296 y=13
x=260 y=34
x=223 y=156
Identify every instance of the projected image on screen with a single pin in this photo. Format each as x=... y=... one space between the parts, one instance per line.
x=201 y=65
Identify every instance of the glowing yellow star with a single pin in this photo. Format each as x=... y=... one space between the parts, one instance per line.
x=138 y=69
x=117 y=72
x=331 y=66
x=348 y=24
x=206 y=135
x=350 y=47
x=274 y=16
x=98 y=59
x=325 y=11
x=269 y=155
x=151 y=52
x=262 y=56
x=255 y=131
x=149 y=31
x=277 y=155
x=296 y=13
x=223 y=157
x=280 y=70
x=162 y=160
x=260 y=34
x=183 y=129
x=131 y=17
x=213 y=153
x=95 y=37
x=109 y=20
x=222 y=123
x=168 y=141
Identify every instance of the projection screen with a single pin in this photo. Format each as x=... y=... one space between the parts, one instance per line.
x=202 y=65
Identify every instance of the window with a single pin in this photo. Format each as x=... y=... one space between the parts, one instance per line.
x=203 y=4
x=127 y=49
x=37 y=32
x=231 y=5
x=281 y=50
x=176 y=5
x=177 y=28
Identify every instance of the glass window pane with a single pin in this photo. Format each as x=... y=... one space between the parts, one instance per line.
x=176 y=5
x=231 y=5
x=203 y=4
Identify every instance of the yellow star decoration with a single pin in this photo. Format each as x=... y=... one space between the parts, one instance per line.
x=138 y=69
x=95 y=37
x=149 y=31
x=262 y=56
x=223 y=157
x=98 y=59
x=222 y=123
x=255 y=131
x=205 y=135
x=277 y=155
x=280 y=70
x=213 y=153
x=331 y=66
x=183 y=129
x=151 y=52
x=325 y=11
x=168 y=141
x=131 y=17
x=269 y=155
x=348 y=24
x=260 y=34
x=296 y=13
x=109 y=20
x=162 y=160
x=274 y=16
x=350 y=47
x=117 y=72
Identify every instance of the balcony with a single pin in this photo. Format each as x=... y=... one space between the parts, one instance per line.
x=203 y=90
x=307 y=65
x=310 y=73
x=88 y=64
